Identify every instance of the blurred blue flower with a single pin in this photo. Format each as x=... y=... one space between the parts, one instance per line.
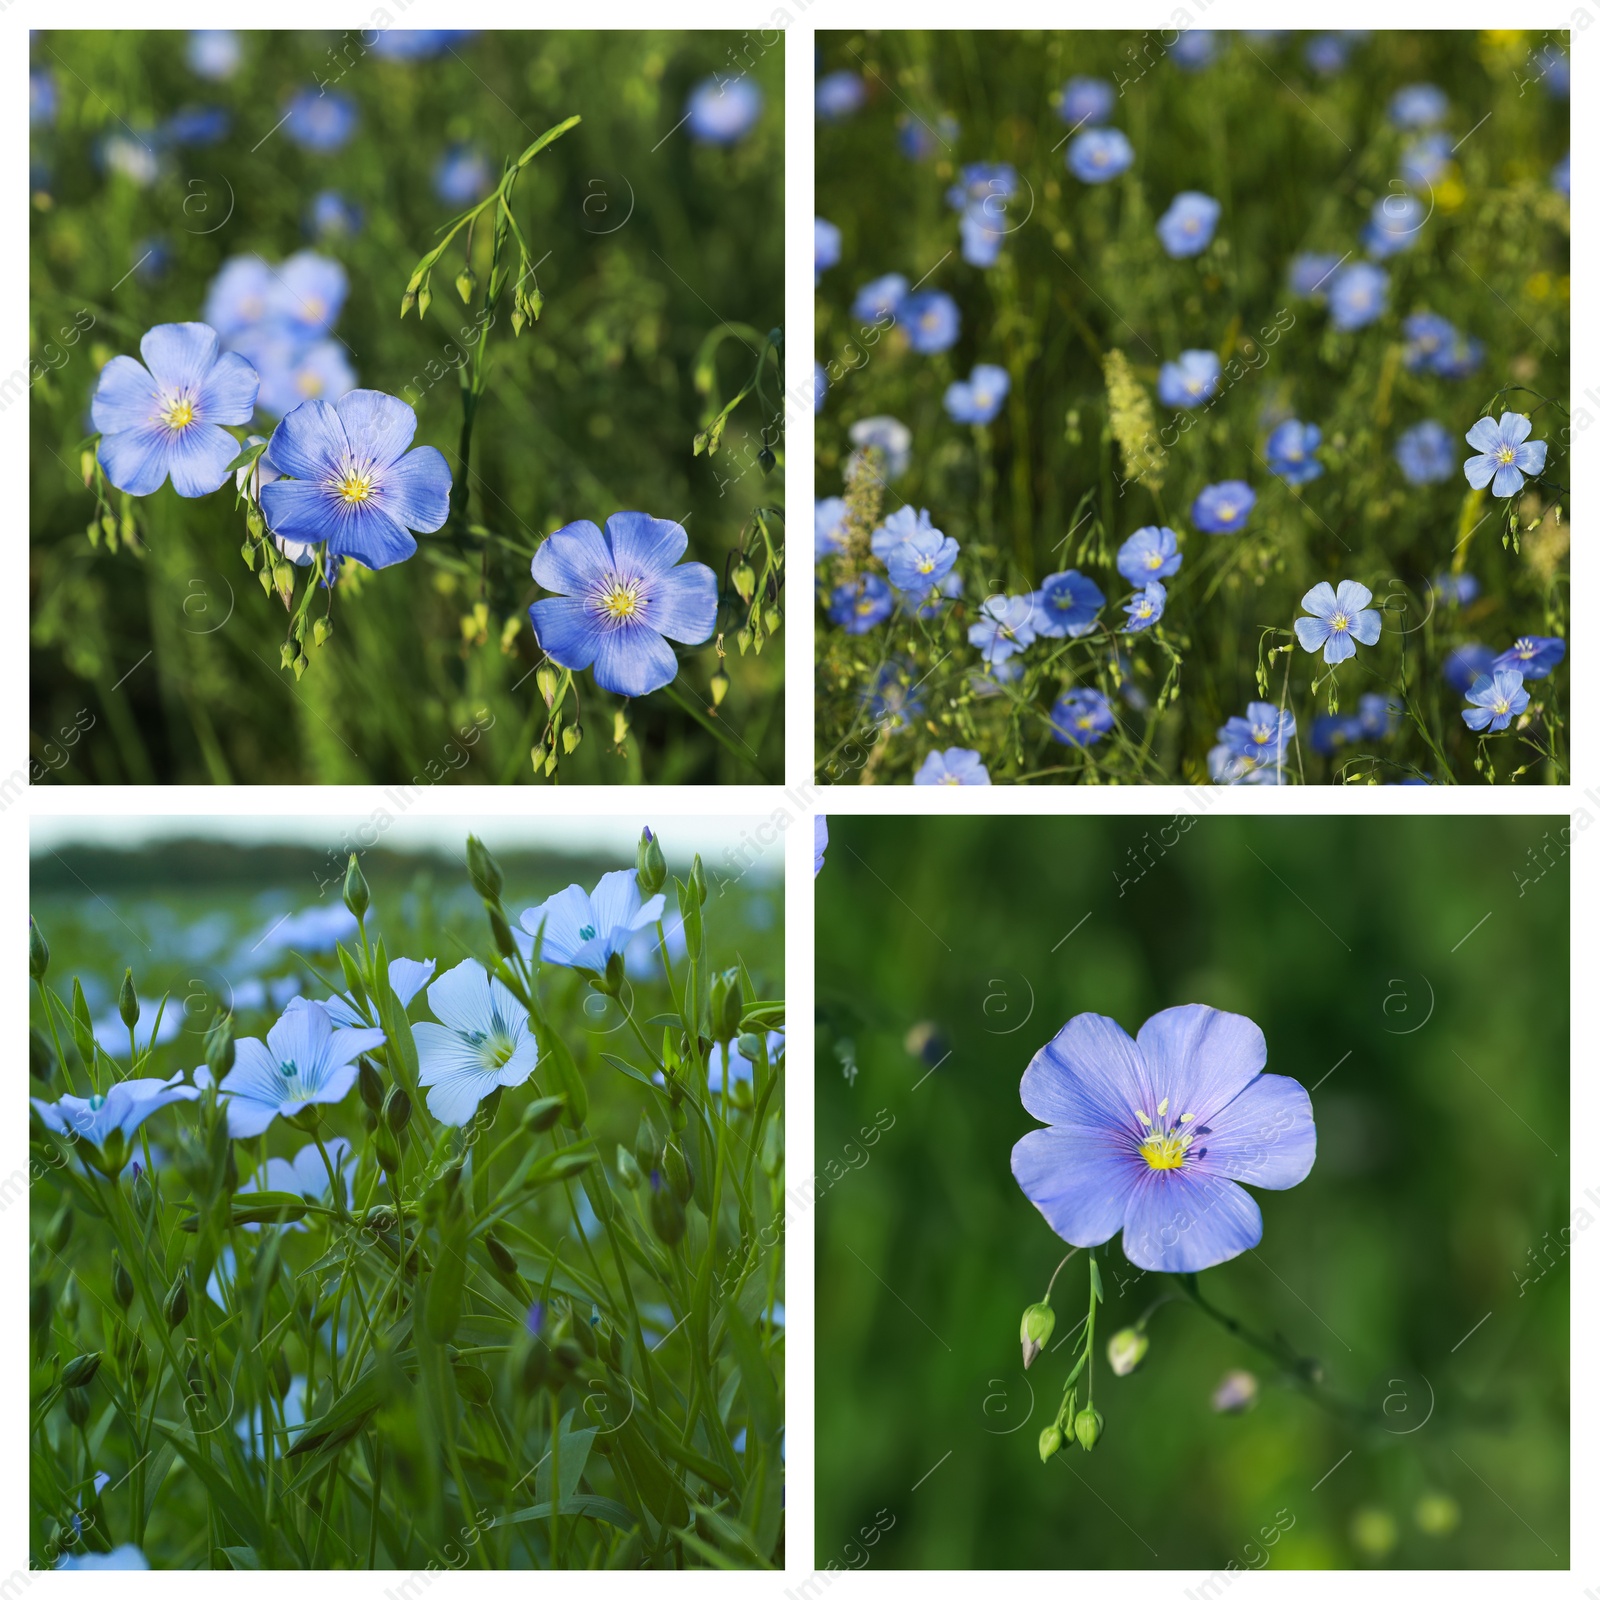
x=819 y=844
x=723 y=110
x=1186 y=227
x=111 y=1032
x=415 y=44
x=979 y=399
x=1554 y=69
x=1378 y=715
x=988 y=681
x=124 y=1558
x=119 y=1110
x=1084 y=102
x=1007 y=624
x=919 y=564
x=859 y=606
x=134 y=155
x=932 y=321
x=461 y=176
x=1194 y=377
x=151 y=259
x=407 y=978
x=879 y=300
x=1338 y=621
x=480 y=1043
x=982 y=182
x=922 y=140
x=619 y=596
x=1455 y=588
x=1195 y=49
x=1427 y=453
x=1357 y=296
x=1223 y=507
x=1532 y=656
x=887 y=435
x=1262 y=734
x=1081 y=717
x=1493 y=701
x=321 y=119
x=1225 y=765
x=1332 y=731
x=839 y=95
x=1466 y=664
x=897 y=527
x=827 y=247
x=305 y=1061
x=1148 y=1136
x=983 y=232
x=308 y=293
x=1066 y=606
x=292 y=373
x=585 y=930
x=1309 y=274
x=42 y=97
x=239 y=296
x=830 y=526
x=1425 y=160
x=1506 y=453
x=213 y=53
x=1144 y=607
x=1291 y=451
x=1561 y=176
x=955 y=766
x=1149 y=553
x=896 y=697
x=1394 y=226
x=819 y=383
x=197 y=125
x=1418 y=105
x=331 y=216
x=1326 y=54
x=169 y=416
x=1097 y=155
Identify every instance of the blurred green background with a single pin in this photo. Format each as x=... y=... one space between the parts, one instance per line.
x=1413 y=974
x=655 y=241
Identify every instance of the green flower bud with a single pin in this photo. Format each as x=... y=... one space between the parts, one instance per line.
x=666 y=1212
x=504 y=1261
x=80 y=1370
x=647 y=1143
x=320 y=630
x=41 y=1058
x=370 y=1085
x=678 y=1174
x=69 y=1301
x=572 y=737
x=744 y=581
x=397 y=1110
x=219 y=1047
x=176 y=1306
x=121 y=1283
x=727 y=1005
x=697 y=881
x=548 y=680
x=1437 y=1515
x=128 y=1000
x=1038 y=1323
x=1087 y=1427
x=542 y=1115
x=628 y=1168
x=38 y=952
x=356 y=896
x=59 y=1230
x=77 y=1406
x=650 y=865
x=501 y=929
x=386 y=1150
x=41 y=1303
x=466 y=282
x=483 y=869
x=1049 y=1442
x=1125 y=1350
x=720 y=684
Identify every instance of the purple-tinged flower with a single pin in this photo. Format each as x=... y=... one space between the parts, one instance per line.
x=1223 y=507
x=320 y=119
x=1262 y=734
x=1236 y=1393
x=349 y=480
x=461 y=176
x=1460 y=358
x=979 y=399
x=1467 y=663
x=879 y=300
x=819 y=844
x=1291 y=451
x=860 y=605
x=1332 y=731
x=584 y=930
x=1426 y=453
x=919 y=564
x=1358 y=295
x=1309 y=275
x=1186 y=227
x=1434 y=345
x=1506 y=453
x=1190 y=380
x=1394 y=226
x=1154 y=1136
x=166 y=418
x=932 y=321
x=1006 y=625
x=1081 y=717
x=1066 y=605
x=1084 y=102
x=1149 y=553
x=480 y=1043
x=723 y=110
x=955 y=766
x=1338 y=621
x=826 y=246
x=830 y=534
x=619 y=596
x=1418 y=105
x=1493 y=701
x=305 y=1061
x=839 y=95
x=213 y=53
x=1532 y=656
x=1097 y=155
x=1144 y=607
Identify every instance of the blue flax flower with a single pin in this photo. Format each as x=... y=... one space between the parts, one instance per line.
x=819 y=844
x=830 y=526
x=1006 y=625
x=331 y=216
x=1426 y=453
x=1223 y=507
x=1149 y=553
x=620 y=595
x=320 y=119
x=308 y=293
x=305 y=1061
x=723 y=110
x=197 y=125
x=1081 y=717
x=1494 y=701
x=920 y=564
x=407 y=978
x=1338 y=621
x=888 y=435
x=1194 y=49
x=1097 y=155
x=1291 y=451
x=125 y=1558
x=213 y=53
x=819 y=378
x=932 y=321
x=896 y=697
x=461 y=176
x=826 y=246
x=1561 y=176
x=839 y=95
x=879 y=300
x=1358 y=295
x=1262 y=734
x=1434 y=345
x=1066 y=605
x=166 y=417
x=1395 y=225
x=584 y=930
x=1225 y=765
x=922 y=140
x=119 y=1110
x=860 y=605
x=983 y=231
x=349 y=480
x=979 y=399
x=1326 y=54
x=1378 y=715
x=480 y=1043
x=1144 y=607
x=1191 y=379
x=1468 y=662
x=1154 y=1135
x=1425 y=160
x=897 y=527
x=1084 y=102
x=1418 y=105
x=982 y=182
x=1507 y=453
x=1309 y=274
x=1185 y=229
x=1332 y=731
x=1532 y=656
x=239 y=297
x=955 y=767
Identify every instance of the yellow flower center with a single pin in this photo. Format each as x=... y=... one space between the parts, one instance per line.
x=951 y=778
x=355 y=488
x=1153 y=560
x=179 y=413
x=926 y=564
x=1261 y=735
x=1502 y=708
x=1505 y=454
x=1338 y=622
x=1164 y=1148
x=1227 y=513
x=621 y=601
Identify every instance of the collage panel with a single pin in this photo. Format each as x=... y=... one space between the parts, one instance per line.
x=1197 y=409
x=408 y=1202
x=406 y=407
x=1194 y=1192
